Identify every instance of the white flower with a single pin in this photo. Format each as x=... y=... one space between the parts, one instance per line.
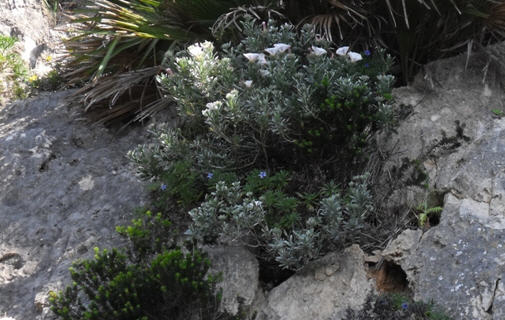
x=342 y=51
x=210 y=107
x=265 y=73
x=256 y=57
x=207 y=45
x=272 y=51
x=248 y=83
x=354 y=56
x=195 y=50
x=213 y=105
x=282 y=46
x=198 y=49
x=318 y=51
x=278 y=48
x=232 y=94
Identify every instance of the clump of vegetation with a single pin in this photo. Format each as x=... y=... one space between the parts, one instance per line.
x=415 y=32
x=155 y=280
x=14 y=72
x=425 y=214
x=282 y=101
x=148 y=235
x=278 y=225
x=395 y=307
x=110 y=287
x=290 y=108
x=49 y=82
x=16 y=79
x=120 y=44
x=168 y=163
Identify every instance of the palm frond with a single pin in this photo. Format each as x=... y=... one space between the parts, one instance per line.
x=107 y=29
x=339 y=14
x=120 y=36
x=230 y=20
x=125 y=93
x=114 y=86
x=116 y=37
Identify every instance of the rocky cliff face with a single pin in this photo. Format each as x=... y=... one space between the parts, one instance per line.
x=454 y=137
x=33 y=25
x=65 y=186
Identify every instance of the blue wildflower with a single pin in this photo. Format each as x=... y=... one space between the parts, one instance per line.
x=405 y=306
x=210 y=175
x=262 y=174
x=163 y=187
x=367 y=52
x=367 y=65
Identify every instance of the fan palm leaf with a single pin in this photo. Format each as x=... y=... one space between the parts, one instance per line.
x=113 y=37
x=416 y=31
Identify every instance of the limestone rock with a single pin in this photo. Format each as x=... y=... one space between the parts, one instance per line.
x=324 y=289
x=239 y=270
x=459 y=264
x=403 y=246
x=33 y=25
x=457 y=142
x=65 y=186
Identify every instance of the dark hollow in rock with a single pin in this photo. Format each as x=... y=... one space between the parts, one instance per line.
x=12 y=259
x=390 y=278
x=271 y=275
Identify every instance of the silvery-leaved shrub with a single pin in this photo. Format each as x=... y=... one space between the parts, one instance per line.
x=256 y=121
x=279 y=98
x=228 y=212
x=232 y=215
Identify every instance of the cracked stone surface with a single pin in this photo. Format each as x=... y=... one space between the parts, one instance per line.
x=324 y=289
x=27 y=21
x=38 y=31
x=455 y=140
x=65 y=186
x=239 y=270
x=34 y=27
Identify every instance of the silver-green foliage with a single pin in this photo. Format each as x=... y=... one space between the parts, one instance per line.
x=157 y=157
x=231 y=215
x=245 y=104
x=228 y=213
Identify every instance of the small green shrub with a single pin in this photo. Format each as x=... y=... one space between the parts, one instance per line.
x=173 y=286
x=148 y=235
x=51 y=81
x=181 y=183
x=425 y=213
x=13 y=70
x=498 y=113
x=6 y=43
x=395 y=307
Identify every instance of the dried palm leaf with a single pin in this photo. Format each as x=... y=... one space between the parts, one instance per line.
x=231 y=19
x=341 y=14
x=115 y=37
